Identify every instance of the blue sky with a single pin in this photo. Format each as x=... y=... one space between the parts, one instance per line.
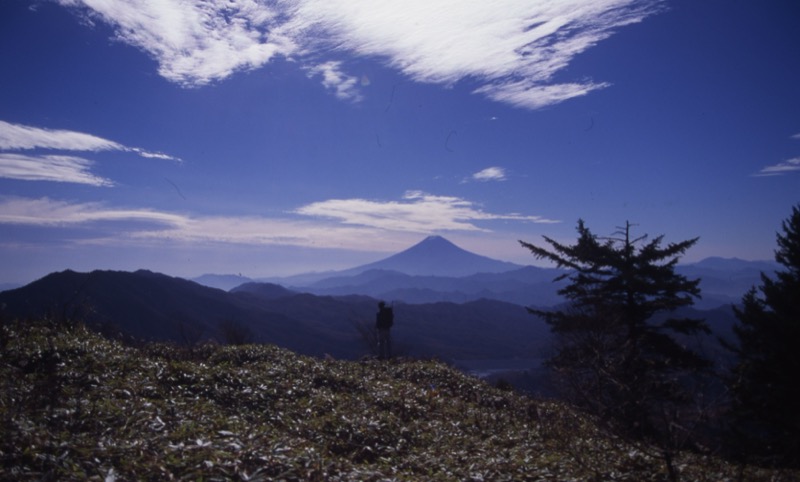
x=271 y=138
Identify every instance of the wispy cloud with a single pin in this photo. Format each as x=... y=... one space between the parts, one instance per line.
x=18 y=137
x=493 y=173
x=139 y=225
x=21 y=137
x=197 y=42
x=344 y=224
x=49 y=168
x=512 y=49
x=780 y=168
x=344 y=86
x=533 y=95
x=56 y=168
x=153 y=155
x=49 y=212
x=796 y=136
x=416 y=212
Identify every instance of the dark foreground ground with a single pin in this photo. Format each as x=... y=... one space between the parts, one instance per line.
x=76 y=406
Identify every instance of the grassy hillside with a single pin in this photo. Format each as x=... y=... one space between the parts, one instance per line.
x=76 y=406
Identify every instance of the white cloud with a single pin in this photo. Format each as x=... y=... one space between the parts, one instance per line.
x=796 y=136
x=49 y=168
x=16 y=137
x=48 y=212
x=262 y=231
x=154 y=155
x=781 y=168
x=343 y=85
x=417 y=212
x=490 y=174
x=532 y=95
x=179 y=228
x=511 y=48
x=20 y=137
x=352 y=224
x=197 y=42
x=56 y=168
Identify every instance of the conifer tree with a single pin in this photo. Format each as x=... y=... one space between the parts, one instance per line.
x=619 y=354
x=765 y=382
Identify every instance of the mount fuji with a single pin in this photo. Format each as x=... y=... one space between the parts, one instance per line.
x=433 y=270
x=433 y=256
x=436 y=256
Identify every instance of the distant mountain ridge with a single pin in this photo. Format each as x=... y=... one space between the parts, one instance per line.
x=433 y=256
x=436 y=270
x=734 y=264
x=723 y=281
x=473 y=311
x=141 y=304
x=153 y=306
x=529 y=286
x=222 y=281
x=150 y=306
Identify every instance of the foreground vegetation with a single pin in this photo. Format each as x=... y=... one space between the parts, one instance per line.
x=76 y=406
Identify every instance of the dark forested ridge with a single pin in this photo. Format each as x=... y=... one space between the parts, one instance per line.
x=154 y=306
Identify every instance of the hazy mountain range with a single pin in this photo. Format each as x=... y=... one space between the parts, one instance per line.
x=436 y=270
x=475 y=315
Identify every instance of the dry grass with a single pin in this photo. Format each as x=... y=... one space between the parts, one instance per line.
x=76 y=406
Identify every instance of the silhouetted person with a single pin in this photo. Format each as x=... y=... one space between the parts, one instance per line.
x=384 y=320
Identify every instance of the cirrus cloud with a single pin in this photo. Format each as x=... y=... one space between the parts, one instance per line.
x=21 y=137
x=141 y=225
x=49 y=168
x=196 y=42
x=56 y=168
x=18 y=137
x=417 y=212
x=511 y=49
x=50 y=212
x=781 y=168
x=344 y=224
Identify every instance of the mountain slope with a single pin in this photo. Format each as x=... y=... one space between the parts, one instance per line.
x=437 y=256
x=222 y=281
x=723 y=281
x=153 y=306
x=476 y=330
x=265 y=291
x=433 y=256
x=79 y=407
